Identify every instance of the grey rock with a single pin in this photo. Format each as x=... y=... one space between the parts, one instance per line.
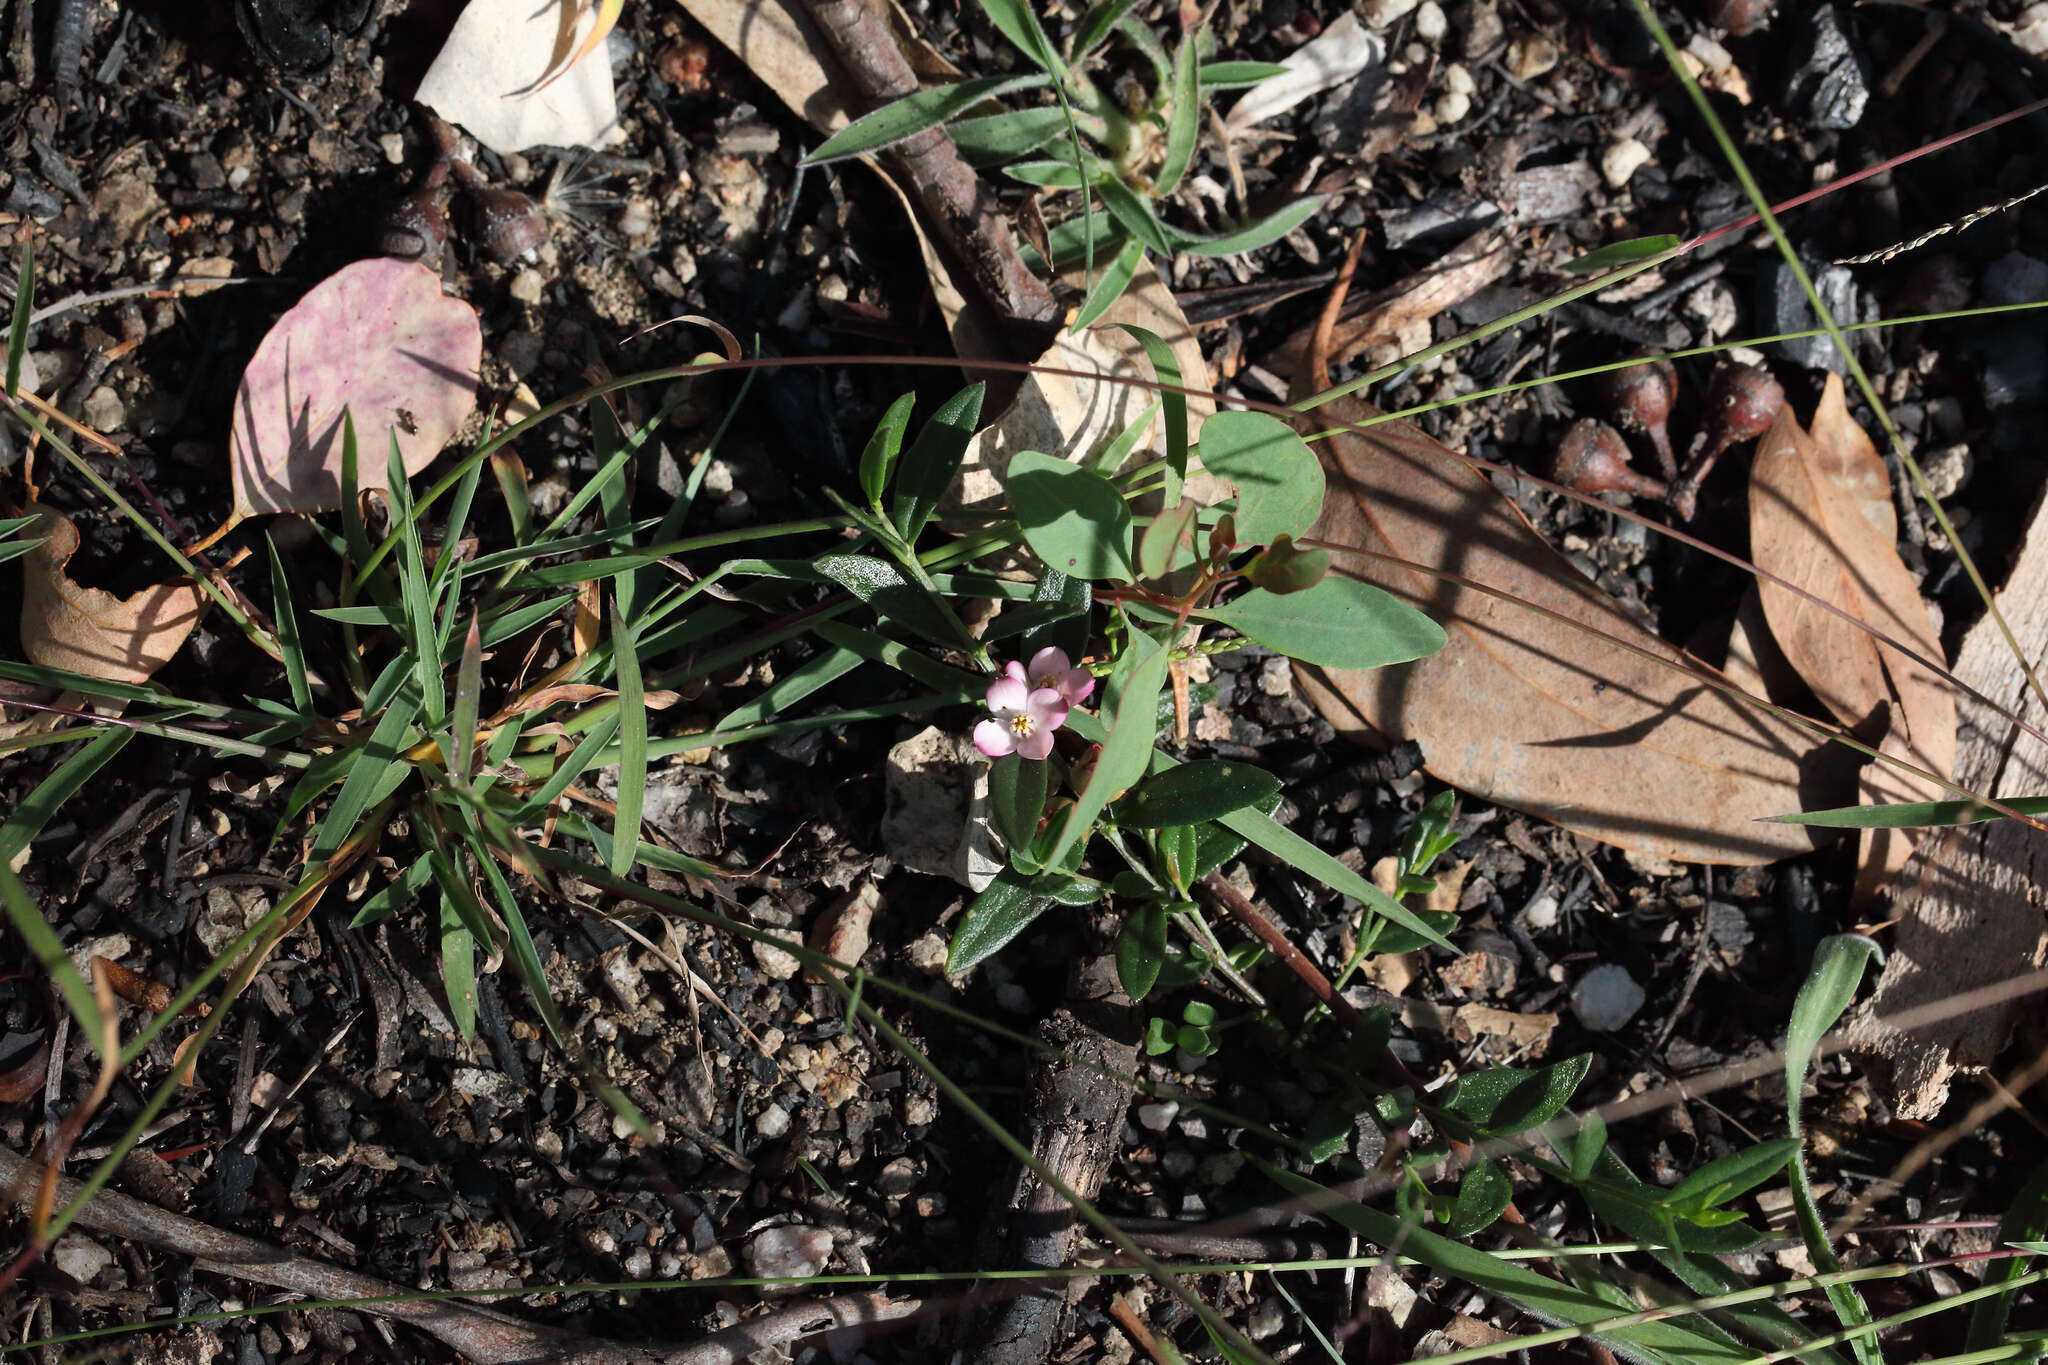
x=2015 y=278
x=1158 y=1117
x=1830 y=82
x=789 y=1252
x=80 y=1257
x=1782 y=304
x=2015 y=366
x=1606 y=998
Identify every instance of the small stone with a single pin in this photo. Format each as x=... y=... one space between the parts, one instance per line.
x=1540 y=914
x=394 y=148
x=477 y=1083
x=1947 y=470
x=1532 y=55
x=778 y=964
x=1177 y=1162
x=1606 y=998
x=898 y=1177
x=1451 y=108
x=1430 y=24
x=788 y=1253
x=527 y=286
x=103 y=410
x=773 y=1122
x=1385 y=13
x=1458 y=80
x=1622 y=159
x=639 y=1263
x=841 y=933
x=1782 y=304
x=1276 y=676
x=920 y=1111
x=1220 y=1169
x=80 y=1257
x=1713 y=303
x=927 y=953
x=2015 y=278
x=1267 y=1320
x=1158 y=1117
x=1014 y=998
x=1830 y=82
x=636 y=220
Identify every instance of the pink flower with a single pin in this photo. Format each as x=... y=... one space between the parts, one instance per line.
x=1025 y=717
x=1050 y=667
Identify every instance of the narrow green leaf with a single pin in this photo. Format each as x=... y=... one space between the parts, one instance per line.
x=2023 y=1224
x=469 y=686
x=398 y=892
x=1503 y=1100
x=1141 y=948
x=1109 y=286
x=994 y=139
x=1130 y=713
x=1279 y=480
x=1058 y=173
x=1249 y=237
x=1057 y=601
x=42 y=941
x=1183 y=119
x=1237 y=75
x=1737 y=1173
x=1016 y=799
x=17 y=327
x=419 y=609
x=896 y=598
x=1180 y=853
x=878 y=460
x=1075 y=521
x=1193 y=792
x=511 y=476
x=1096 y=25
x=632 y=745
x=1068 y=240
x=1616 y=254
x=1003 y=910
x=1483 y=1195
x=1914 y=814
x=913 y=114
x=1017 y=22
x=929 y=466
x=374 y=772
x=52 y=792
x=286 y=617
x=1135 y=214
x=1838 y=965
x=1338 y=623
x=458 y=968
x=1587 y=1144
x=1166 y=370
x=572 y=767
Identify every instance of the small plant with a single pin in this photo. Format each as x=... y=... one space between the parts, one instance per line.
x=1129 y=147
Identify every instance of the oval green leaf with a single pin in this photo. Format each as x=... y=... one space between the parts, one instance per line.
x=1194 y=792
x=1339 y=623
x=1279 y=480
x=1073 y=520
x=1507 y=1099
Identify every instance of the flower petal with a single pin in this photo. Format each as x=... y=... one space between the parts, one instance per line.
x=1050 y=662
x=1048 y=710
x=1037 y=744
x=995 y=739
x=1077 y=685
x=1016 y=670
x=1007 y=695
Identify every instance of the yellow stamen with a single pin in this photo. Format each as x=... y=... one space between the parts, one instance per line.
x=1021 y=726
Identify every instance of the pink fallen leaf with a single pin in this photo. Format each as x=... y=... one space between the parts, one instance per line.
x=89 y=630
x=376 y=340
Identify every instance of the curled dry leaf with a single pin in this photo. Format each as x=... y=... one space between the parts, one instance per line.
x=1528 y=712
x=376 y=340
x=1821 y=517
x=89 y=630
x=501 y=75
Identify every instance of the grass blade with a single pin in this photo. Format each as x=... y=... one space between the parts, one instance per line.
x=469 y=686
x=53 y=791
x=912 y=114
x=42 y=941
x=286 y=617
x=632 y=745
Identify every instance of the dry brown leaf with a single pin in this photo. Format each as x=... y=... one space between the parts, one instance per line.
x=1820 y=517
x=89 y=630
x=1526 y=712
x=779 y=44
x=1968 y=903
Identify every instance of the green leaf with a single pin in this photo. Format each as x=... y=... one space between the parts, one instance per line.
x=1621 y=253
x=895 y=597
x=632 y=745
x=286 y=617
x=1016 y=21
x=1736 y=1173
x=2023 y=1224
x=35 y=931
x=1587 y=1144
x=17 y=326
x=1838 y=965
x=1214 y=846
x=1237 y=75
x=1056 y=601
x=1506 y=1099
x=1058 y=173
x=1096 y=24
x=878 y=460
x=1068 y=240
x=1109 y=286
x=996 y=138
x=1250 y=237
x=1166 y=370
x=1134 y=213
x=458 y=968
x=1077 y=522
x=419 y=608
x=1543 y=1298
x=1141 y=948
x=52 y=792
x=1169 y=539
x=1130 y=714
x=1159 y=1036
x=468 y=702
x=1914 y=814
x=1180 y=850
x=1003 y=910
x=1193 y=792
x=1278 y=479
x=933 y=459
x=398 y=892
x=1183 y=120
x=1282 y=569
x=913 y=114
x=1016 y=799
x=1483 y=1195
x=1339 y=623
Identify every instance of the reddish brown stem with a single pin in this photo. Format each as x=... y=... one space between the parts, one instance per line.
x=1233 y=903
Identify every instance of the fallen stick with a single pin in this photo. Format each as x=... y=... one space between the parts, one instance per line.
x=484 y=1335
